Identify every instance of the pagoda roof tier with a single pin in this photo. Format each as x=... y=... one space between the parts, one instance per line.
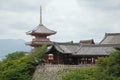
x=39 y=43
x=41 y=29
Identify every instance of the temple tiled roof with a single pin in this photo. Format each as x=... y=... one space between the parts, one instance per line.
x=91 y=41
x=83 y=49
x=66 y=47
x=111 y=38
x=99 y=49
x=41 y=29
x=107 y=45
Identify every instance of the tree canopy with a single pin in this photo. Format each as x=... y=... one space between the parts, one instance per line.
x=17 y=66
x=106 y=69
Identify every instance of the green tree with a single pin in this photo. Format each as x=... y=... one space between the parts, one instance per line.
x=80 y=74
x=14 y=56
x=106 y=69
x=109 y=68
x=20 y=67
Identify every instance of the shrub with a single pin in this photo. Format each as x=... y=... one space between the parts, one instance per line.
x=17 y=66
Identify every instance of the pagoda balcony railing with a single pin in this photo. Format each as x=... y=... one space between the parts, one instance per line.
x=28 y=43
x=40 y=39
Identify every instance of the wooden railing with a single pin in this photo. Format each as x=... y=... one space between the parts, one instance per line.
x=41 y=39
x=66 y=66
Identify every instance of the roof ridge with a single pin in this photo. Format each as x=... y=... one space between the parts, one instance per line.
x=98 y=45
x=41 y=29
x=103 y=38
x=41 y=25
x=88 y=40
x=67 y=43
x=55 y=44
x=108 y=34
x=78 y=48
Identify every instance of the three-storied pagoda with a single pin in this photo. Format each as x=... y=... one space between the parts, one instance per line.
x=40 y=33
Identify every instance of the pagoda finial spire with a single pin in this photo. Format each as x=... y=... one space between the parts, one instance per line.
x=40 y=14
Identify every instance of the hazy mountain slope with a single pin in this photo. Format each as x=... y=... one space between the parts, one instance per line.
x=12 y=45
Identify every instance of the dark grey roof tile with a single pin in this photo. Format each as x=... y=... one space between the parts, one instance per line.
x=41 y=29
x=111 y=38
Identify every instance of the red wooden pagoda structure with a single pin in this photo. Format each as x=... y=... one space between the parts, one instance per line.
x=40 y=33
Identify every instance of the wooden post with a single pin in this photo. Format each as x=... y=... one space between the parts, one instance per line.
x=92 y=60
x=58 y=58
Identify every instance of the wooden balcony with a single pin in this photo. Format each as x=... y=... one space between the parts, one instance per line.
x=40 y=39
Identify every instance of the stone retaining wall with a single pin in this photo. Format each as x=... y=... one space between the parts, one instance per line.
x=54 y=72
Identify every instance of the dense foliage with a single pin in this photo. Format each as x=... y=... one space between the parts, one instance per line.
x=109 y=68
x=80 y=74
x=17 y=66
x=106 y=69
x=13 y=56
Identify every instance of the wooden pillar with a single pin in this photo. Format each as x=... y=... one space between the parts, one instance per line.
x=78 y=60
x=84 y=60
x=58 y=59
x=92 y=60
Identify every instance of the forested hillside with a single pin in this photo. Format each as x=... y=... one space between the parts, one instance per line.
x=18 y=66
x=106 y=69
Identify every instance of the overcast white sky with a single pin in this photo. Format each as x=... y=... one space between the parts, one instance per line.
x=72 y=19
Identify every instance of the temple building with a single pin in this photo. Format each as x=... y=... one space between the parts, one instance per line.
x=85 y=52
x=41 y=34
